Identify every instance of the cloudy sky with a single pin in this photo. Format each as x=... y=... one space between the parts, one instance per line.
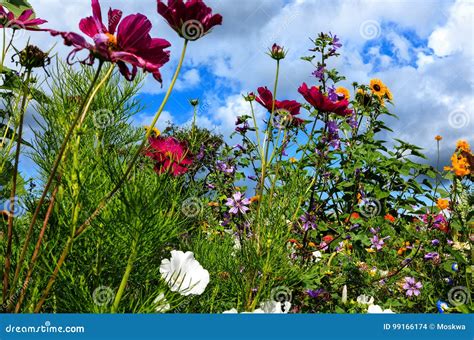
x=423 y=50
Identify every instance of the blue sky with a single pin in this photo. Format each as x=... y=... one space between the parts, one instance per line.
x=423 y=50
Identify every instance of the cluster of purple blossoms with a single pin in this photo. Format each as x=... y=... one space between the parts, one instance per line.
x=377 y=242
x=434 y=256
x=224 y=167
x=319 y=73
x=332 y=136
x=319 y=293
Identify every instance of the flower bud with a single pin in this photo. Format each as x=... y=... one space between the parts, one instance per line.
x=277 y=52
x=33 y=57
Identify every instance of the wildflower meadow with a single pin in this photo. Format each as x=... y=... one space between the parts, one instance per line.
x=311 y=204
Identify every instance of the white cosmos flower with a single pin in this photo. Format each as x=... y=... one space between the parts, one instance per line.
x=317 y=255
x=184 y=274
x=376 y=309
x=162 y=305
x=365 y=299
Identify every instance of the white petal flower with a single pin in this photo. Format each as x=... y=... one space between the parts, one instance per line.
x=376 y=309
x=317 y=255
x=162 y=305
x=184 y=274
x=365 y=299
x=231 y=311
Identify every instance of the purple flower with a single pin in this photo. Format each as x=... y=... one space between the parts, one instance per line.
x=318 y=293
x=377 y=243
x=238 y=203
x=332 y=94
x=224 y=167
x=309 y=221
x=435 y=242
x=431 y=256
x=332 y=137
x=352 y=121
x=411 y=286
x=319 y=73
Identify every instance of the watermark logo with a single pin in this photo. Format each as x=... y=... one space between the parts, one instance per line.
x=103 y=295
x=191 y=207
x=458 y=296
x=370 y=29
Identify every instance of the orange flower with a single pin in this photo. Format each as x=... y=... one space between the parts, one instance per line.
x=438 y=138
x=293 y=160
x=390 y=218
x=442 y=203
x=463 y=145
x=460 y=165
x=213 y=204
x=359 y=197
x=254 y=198
x=312 y=244
x=328 y=238
x=355 y=215
x=401 y=251
x=343 y=92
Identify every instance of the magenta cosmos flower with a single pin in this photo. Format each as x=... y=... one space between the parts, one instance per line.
x=321 y=101
x=191 y=19
x=25 y=20
x=282 y=107
x=124 y=42
x=170 y=155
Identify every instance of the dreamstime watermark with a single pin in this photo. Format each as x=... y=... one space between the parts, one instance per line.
x=18 y=206
x=46 y=328
x=459 y=295
x=282 y=295
x=192 y=207
x=14 y=31
x=370 y=207
x=370 y=29
x=103 y=295
x=192 y=30
x=459 y=119
x=14 y=298
x=103 y=118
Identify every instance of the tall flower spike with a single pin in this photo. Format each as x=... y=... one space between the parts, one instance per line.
x=191 y=19
x=124 y=42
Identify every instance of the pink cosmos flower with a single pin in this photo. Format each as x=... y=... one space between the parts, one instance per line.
x=170 y=155
x=321 y=102
x=124 y=42
x=23 y=21
x=191 y=19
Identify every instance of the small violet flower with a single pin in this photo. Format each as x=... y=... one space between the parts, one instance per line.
x=238 y=203
x=411 y=286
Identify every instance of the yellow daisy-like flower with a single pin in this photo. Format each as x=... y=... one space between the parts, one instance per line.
x=460 y=165
x=388 y=93
x=463 y=145
x=293 y=160
x=438 y=138
x=442 y=203
x=155 y=131
x=378 y=87
x=343 y=92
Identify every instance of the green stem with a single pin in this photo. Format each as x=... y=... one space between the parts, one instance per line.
x=6 y=273
x=91 y=93
x=126 y=275
x=122 y=180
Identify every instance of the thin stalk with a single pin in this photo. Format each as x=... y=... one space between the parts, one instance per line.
x=84 y=108
x=126 y=275
x=265 y=148
x=122 y=180
x=257 y=132
x=34 y=257
x=6 y=273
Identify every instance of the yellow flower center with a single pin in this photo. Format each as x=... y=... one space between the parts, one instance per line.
x=112 y=40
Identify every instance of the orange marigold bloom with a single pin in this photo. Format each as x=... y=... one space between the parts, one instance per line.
x=442 y=203
x=213 y=204
x=463 y=145
x=438 y=138
x=389 y=217
x=460 y=165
